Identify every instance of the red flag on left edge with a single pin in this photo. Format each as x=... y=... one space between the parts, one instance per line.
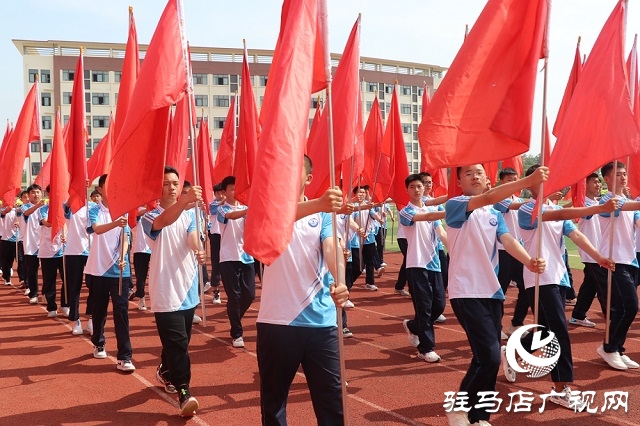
x=60 y=178
x=285 y=116
x=393 y=139
x=137 y=167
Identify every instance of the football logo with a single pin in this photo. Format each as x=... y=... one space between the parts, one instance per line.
x=540 y=364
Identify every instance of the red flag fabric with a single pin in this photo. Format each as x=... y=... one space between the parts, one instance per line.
x=632 y=75
x=5 y=141
x=60 y=178
x=205 y=163
x=314 y=128
x=491 y=170
x=399 y=169
x=454 y=188
x=426 y=100
x=514 y=163
x=376 y=164
x=224 y=157
x=44 y=177
x=285 y=117
x=178 y=144
x=76 y=142
x=319 y=67
x=129 y=76
x=594 y=133
x=578 y=193
x=248 y=134
x=440 y=184
x=27 y=129
x=355 y=168
x=574 y=75
x=98 y=163
x=482 y=110
x=137 y=167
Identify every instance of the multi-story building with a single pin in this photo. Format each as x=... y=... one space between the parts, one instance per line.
x=216 y=77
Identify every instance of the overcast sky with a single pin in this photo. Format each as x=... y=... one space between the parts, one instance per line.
x=425 y=31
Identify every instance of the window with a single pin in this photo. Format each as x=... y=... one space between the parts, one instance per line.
x=221 y=80
x=234 y=78
x=314 y=102
x=372 y=87
x=263 y=80
x=100 y=99
x=415 y=116
x=88 y=150
x=388 y=88
x=32 y=75
x=199 y=78
x=414 y=98
x=405 y=108
x=381 y=95
x=46 y=122
x=407 y=146
x=420 y=91
x=45 y=76
x=380 y=87
x=66 y=98
x=405 y=90
x=95 y=143
x=218 y=122
x=220 y=101
x=369 y=106
x=35 y=169
x=216 y=144
x=87 y=79
x=87 y=102
x=65 y=120
x=35 y=146
x=46 y=99
x=68 y=75
x=117 y=75
x=47 y=144
x=100 y=121
x=406 y=128
x=100 y=76
x=414 y=90
x=415 y=136
x=383 y=114
x=201 y=100
x=387 y=107
x=261 y=101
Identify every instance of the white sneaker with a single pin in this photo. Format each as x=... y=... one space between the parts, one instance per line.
x=77 y=328
x=509 y=373
x=142 y=305
x=65 y=311
x=629 y=362
x=89 y=328
x=383 y=265
x=503 y=336
x=207 y=286
x=380 y=271
x=26 y=291
x=216 y=298
x=584 y=322
x=370 y=287
x=413 y=339
x=458 y=418
x=441 y=318
x=238 y=343
x=126 y=365
x=613 y=359
x=99 y=352
x=349 y=304
x=33 y=301
x=52 y=314
x=403 y=292
x=11 y=272
x=564 y=399
x=429 y=356
x=196 y=319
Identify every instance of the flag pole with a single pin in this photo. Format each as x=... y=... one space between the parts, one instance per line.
x=37 y=78
x=323 y=15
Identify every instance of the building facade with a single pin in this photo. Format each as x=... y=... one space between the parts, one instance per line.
x=216 y=78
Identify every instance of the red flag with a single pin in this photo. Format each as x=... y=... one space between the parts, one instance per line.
x=632 y=74
x=440 y=183
x=482 y=110
x=224 y=158
x=491 y=170
x=393 y=139
x=76 y=142
x=129 y=76
x=137 y=167
x=355 y=168
x=98 y=163
x=27 y=130
x=320 y=69
x=514 y=163
x=248 y=134
x=178 y=144
x=205 y=163
x=376 y=164
x=314 y=127
x=60 y=177
x=599 y=124
x=285 y=117
x=574 y=75
x=426 y=100
x=454 y=188
x=44 y=177
x=5 y=141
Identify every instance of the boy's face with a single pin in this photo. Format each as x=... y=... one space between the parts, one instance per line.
x=509 y=178
x=427 y=181
x=230 y=192
x=416 y=191
x=218 y=194
x=170 y=187
x=34 y=196
x=360 y=195
x=473 y=180
x=24 y=198
x=620 y=176
x=96 y=198
x=594 y=186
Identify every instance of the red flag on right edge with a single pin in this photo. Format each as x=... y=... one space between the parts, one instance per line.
x=224 y=158
x=633 y=163
x=596 y=132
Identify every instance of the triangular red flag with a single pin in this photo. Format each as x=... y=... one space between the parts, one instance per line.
x=44 y=177
x=514 y=163
x=205 y=163
x=491 y=170
x=224 y=158
x=399 y=169
x=482 y=110
x=129 y=76
x=98 y=163
x=376 y=164
x=440 y=183
x=76 y=142
x=314 y=127
x=137 y=167
x=60 y=178
x=574 y=76
x=178 y=144
x=355 y=168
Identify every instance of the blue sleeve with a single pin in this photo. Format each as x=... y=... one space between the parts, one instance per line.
x=636 y=215
x=606 y=197
x=192 y=221
x=222 y=211
x=406 y=216
x=326 y=230
x=93 y=218
x=44 y=213
x=440 y=208
x=147 y=224
x=525 y=214
x=456 y=213
x=503 y=206
x=437 y=223
x=568 y=227
x=67 y=211
x=501 y=229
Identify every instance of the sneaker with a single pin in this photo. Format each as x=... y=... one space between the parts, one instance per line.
x=21 y=284
x=238 y=342
x=188 y=404
x=563 y=399
x=380 y=271
x=383 y=265
x=429 y=356
x=629 y=362
x=513 y=284
x=583 y=322
x=26 y=291
x=168 y=386
x=413 y=339
x=482 y=423
x=33 y=301
x=7 y=282
x=370 y=287
x=364 y=271
x=196 y=319
x=125 y=365
x=441 y=318
x=458 y=418
x=571 y=302
x=65 y=311
x=403 y=292
x=11 y=272
x=613 y=359
x=512 y=329
x=89 y=328
x=207 y=286
x=503 y=336
x=77 y=328
x=216 y=297
x=349 y=304
x=142 y=305
x=52 y=314
x=100 y=353
x=346 y=333
x=509 y=373
x=132 y=294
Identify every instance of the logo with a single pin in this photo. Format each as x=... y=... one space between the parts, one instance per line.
x=493 y=221
x=313 y=222
x=546 y=353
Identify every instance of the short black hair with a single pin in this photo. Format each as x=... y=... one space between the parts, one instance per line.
x=25 y=192
x=357 y=189
x=229 y=180
x=366 y=187
x=33 y=187
x=217 y=187
x=95 y=192
x=458 y=169
x=592 y=175
x=606 y=169
x=412 y=178
x=308 y=165
x=48 y=189
x=186 y=184
x=532 y=169
x=507 y=172
x=170 y=169
x=102 y=180
x=424 y=175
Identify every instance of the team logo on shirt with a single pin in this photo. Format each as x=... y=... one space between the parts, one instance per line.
x=493 y=221
x=313 y=222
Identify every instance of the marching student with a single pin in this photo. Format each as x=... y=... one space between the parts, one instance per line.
x=590 y=227
x=554 y=282
x=385 y=212
x=141 y=256
x=624 y=295
x=236 y=266
x=423 y=228
x=214 y=241
x=473 y=230
x=104 y=266
x=20 y=227
x=96 y=197
x=29 y=218
x=173 y=282
x=296 y=322
x=50 y=255
x=8 y=243
x=401 y=281
x=365 y=217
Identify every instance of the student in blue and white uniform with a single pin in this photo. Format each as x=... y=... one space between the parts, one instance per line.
x=141 y=256
x=50 y=255
x=214 y=241
x=297 y=318
x=29 y=218
x=8 y=242
x=365 y=217
x=20 y=226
